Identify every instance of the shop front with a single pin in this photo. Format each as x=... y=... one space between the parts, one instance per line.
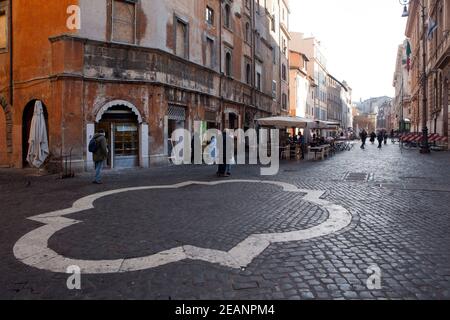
x=126 y=134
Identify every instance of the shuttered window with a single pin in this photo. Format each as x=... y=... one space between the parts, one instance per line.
x=182 y=36
x=124 y=21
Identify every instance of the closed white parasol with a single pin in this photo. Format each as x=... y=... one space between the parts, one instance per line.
x=38 y=143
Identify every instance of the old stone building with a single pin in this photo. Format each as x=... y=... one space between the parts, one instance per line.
x=317 y=70
x=302 y=86
x=402 y=84
x=138 y=69
x=437 y=53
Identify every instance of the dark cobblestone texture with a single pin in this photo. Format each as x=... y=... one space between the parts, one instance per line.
x=216 y=217
x=402 y=227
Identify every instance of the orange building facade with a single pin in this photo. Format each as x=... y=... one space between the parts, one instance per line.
x=139 y=69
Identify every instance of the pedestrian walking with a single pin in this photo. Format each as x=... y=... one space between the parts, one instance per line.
x=373 y=136
x=380 y=138
x=385 y=136
x=301 y=142
x=393 y=136
x=213 y=148
x=363 y=136
x=98 y=146
x=227 y=158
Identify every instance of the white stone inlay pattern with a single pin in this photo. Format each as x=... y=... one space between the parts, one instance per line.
x=32 y=249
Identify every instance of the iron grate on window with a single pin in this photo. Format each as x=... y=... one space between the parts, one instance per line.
x=176 y=113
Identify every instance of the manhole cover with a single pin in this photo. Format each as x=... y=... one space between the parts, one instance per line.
x=357 y=176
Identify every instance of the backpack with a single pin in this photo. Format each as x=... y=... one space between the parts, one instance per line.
x=93 y=145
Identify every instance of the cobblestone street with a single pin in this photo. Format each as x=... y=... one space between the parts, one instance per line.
x=400 y=221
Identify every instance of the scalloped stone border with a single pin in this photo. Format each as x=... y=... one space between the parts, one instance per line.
x=32 y=249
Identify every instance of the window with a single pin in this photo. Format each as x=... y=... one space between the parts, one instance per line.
x=124 y=21
x=274 y=56
x=284 y=101
x=247 y=32
x=248 y=74
x=3 y=25
x=209 y=16
x=274 y=89
x=257 y=7
x=182 y=39
x=284 y=72
x=258 y=81
x=209 y=62
x=284 y=45
x=228 y=65
x=272 y=23
x=227 y=17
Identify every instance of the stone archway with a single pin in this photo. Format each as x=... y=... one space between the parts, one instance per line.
x=127 y=134
x=232 y=119
x=113 y=103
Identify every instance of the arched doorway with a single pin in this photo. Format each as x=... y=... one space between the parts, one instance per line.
x=231 y=119
x=121 y=122
x=28 y=112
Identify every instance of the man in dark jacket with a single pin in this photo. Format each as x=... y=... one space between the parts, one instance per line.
x=227 y=158
x=373 y=136
x=363 y=136
x=380 y=138
x=100 y=155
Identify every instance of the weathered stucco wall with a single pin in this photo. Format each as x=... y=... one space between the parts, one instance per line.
x=33 y=65
x=93 y=19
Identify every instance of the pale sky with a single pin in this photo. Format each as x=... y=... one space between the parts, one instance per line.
x=360 y=38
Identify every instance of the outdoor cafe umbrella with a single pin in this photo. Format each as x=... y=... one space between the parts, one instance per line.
x=285 y=122
x=38 y=144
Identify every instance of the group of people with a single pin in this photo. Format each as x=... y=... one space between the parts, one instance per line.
x=381 y=136
x=299 y=140
x=98 y=146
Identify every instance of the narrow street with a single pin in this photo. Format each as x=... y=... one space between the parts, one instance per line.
x=182 y=233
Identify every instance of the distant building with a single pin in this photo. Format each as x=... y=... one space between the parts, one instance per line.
x=301 y=86
x=385 y=116
x=328 y=99
x=402 y=84
x=317 y=70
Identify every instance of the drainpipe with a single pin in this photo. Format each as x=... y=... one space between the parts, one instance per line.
x=222 y=111
x=253 y=9
x=11 y=81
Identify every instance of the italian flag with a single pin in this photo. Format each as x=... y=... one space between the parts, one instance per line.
x=408 y=55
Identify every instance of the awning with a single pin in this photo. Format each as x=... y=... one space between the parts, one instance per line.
x=285 y=122
x=320 y=124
